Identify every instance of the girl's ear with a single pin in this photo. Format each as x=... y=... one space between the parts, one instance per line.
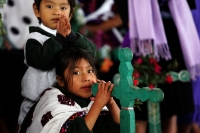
x=36 y=11
x=60 y=81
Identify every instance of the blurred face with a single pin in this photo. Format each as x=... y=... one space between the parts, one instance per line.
x=82 y=80
x=50 y=10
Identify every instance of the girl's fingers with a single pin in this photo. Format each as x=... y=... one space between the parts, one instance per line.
x=103 y=86
x=107 y=85
x=92 y=98
x=69 y=27
x=58 y=25
x=98 y=81
x=99 y=86
x=111 y=87
x=103 y=81
x=63 y=20
x=67 y=19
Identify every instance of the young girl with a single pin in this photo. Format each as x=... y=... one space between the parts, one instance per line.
x=43 y=44
x=68 y=106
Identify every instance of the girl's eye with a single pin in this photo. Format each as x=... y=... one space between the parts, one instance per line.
x=91 y=71
x=76 y=73
x=63 y=8
x=49 y=6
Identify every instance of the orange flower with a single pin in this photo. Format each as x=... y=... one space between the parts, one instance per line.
x=106 y=65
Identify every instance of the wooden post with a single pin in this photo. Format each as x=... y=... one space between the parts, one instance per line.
x=127 y=93
x=154 y=108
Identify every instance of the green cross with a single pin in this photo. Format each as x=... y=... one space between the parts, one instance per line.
x=127 y=93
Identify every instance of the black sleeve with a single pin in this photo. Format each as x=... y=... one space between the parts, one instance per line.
x=77 y=125
x=75 y=39
x=60 y=39
x=42 y=56
x=70 y=39
x=105 y=124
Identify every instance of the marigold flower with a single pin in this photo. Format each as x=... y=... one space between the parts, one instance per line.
x=106 y=65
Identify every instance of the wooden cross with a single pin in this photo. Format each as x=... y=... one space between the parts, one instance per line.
x=127 y=93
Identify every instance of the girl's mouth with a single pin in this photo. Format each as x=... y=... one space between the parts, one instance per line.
x=55 y=20
x=86 y=88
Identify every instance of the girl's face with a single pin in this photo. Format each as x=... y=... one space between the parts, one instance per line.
x=82 y=80
x=50 y=10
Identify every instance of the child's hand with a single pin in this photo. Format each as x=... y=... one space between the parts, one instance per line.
x=110 y=102
x=103 y=95
x=63 y=26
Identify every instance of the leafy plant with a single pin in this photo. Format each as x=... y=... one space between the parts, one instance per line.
x=150 y=73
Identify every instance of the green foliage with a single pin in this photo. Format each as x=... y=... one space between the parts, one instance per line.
x=2 y=2
x=137 y=104
x=2 y=30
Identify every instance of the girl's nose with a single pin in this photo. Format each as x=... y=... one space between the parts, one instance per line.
x=86 y=79
x=56 y=12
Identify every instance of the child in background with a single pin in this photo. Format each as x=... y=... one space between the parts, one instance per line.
x=42 y=46
x=68 y=106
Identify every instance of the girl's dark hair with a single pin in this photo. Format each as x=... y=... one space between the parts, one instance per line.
x=68 y=59
x=72 y=4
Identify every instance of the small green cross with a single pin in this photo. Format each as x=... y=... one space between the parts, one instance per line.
x=127 y=93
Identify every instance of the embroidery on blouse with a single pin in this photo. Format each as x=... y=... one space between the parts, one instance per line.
x=71 y=118
x=46 y=118
x=65 y=100
x=78 y=114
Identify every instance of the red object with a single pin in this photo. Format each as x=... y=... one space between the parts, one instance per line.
x=139 y=60
x=157 y=69
x=152 y=61
x=135 y=82
x=151 y=86
x=136 y=74
x=169 y=79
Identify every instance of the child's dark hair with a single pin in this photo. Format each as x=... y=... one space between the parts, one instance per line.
x=72 y=4
x=68 y=59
